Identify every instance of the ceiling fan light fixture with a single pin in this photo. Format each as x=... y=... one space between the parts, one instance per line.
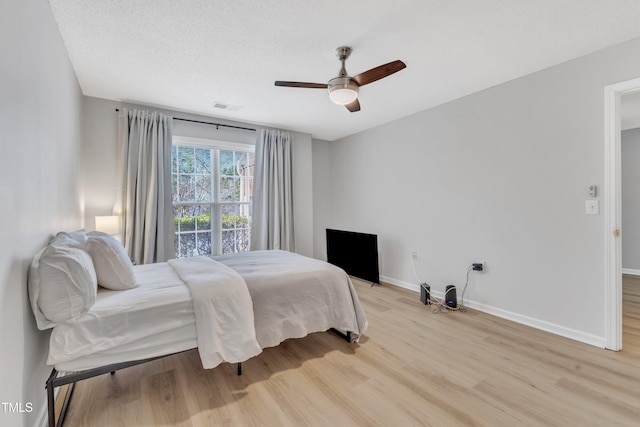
x=342 y=90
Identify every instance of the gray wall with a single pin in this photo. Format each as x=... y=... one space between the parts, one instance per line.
x=99 y=161
x=40 y=111
x=321 y=195
x=500 y=176
x=631 y=200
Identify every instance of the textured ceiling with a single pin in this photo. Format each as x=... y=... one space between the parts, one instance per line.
x=188 y=55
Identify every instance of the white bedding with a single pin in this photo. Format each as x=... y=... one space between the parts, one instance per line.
x=292 y=295
x=223 y=311
x=295 y=295
x=153 y=319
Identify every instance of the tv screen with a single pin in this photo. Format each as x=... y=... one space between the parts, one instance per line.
x=355 y=253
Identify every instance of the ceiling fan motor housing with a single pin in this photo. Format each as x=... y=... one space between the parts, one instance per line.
x=342 y=90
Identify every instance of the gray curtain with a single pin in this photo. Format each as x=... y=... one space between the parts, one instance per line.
x=272 y=216
x=144 y=200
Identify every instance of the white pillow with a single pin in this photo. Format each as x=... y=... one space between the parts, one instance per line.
x=113 y=266
x=75 y=239
x=62 y=284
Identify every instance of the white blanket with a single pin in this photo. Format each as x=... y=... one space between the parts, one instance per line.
x=295 y=295
x=223 y=311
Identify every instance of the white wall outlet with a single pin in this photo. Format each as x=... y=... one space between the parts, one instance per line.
x=592 y=207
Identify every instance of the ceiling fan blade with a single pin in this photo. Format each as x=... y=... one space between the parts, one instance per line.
x=379 y=72
x=353 y=106
x=301 y=84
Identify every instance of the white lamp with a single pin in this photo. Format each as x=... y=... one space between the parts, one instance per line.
x=108 y=224
x=342 y=90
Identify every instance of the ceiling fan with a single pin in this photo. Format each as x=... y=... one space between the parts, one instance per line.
x=343 y=90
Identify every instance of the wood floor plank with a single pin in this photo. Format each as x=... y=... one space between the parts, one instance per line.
x=412 y=367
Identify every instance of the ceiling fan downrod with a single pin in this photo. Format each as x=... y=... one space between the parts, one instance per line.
x=343 y=53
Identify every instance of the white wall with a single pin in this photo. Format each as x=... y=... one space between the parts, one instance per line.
x=40 y=110
x=631 y=200
x=500 y=176
x=100 y=161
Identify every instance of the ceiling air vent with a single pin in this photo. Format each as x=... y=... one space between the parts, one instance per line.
x=224 y=106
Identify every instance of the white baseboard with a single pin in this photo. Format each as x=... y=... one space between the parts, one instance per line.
x=631 y=271
x=514 y=317
x=400 y=284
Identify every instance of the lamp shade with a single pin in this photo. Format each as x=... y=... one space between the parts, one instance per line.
x=108 y=224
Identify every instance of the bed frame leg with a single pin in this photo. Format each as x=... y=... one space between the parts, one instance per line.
x=52 y=383
x=51 y=404
x=345 y=336
x=239 y=368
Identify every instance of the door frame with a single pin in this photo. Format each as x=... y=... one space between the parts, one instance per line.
x=613 y=211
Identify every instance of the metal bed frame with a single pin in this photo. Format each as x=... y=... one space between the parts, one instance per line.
x=55 y=381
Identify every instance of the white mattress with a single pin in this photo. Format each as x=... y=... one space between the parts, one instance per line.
x=292 y=296
x=154 y=319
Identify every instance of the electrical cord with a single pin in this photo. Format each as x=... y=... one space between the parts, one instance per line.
x=413 y=264
x=466 y=282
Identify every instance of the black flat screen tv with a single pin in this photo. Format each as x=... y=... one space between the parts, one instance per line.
x=355 y=253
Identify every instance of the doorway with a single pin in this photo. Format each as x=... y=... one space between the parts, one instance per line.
x=630 y=156
x=613 y=211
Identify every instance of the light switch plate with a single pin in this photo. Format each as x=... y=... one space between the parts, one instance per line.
x=592 y=207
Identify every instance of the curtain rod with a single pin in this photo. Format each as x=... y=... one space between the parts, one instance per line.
x=209 y=123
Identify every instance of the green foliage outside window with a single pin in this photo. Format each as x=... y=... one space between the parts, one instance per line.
x=204 y=222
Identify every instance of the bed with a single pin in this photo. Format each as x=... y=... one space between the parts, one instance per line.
x=290 y=295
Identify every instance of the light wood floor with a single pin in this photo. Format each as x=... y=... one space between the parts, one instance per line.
x=412 y=368
x=631 y=314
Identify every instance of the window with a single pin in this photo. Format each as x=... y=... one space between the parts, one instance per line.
x=212 y=185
